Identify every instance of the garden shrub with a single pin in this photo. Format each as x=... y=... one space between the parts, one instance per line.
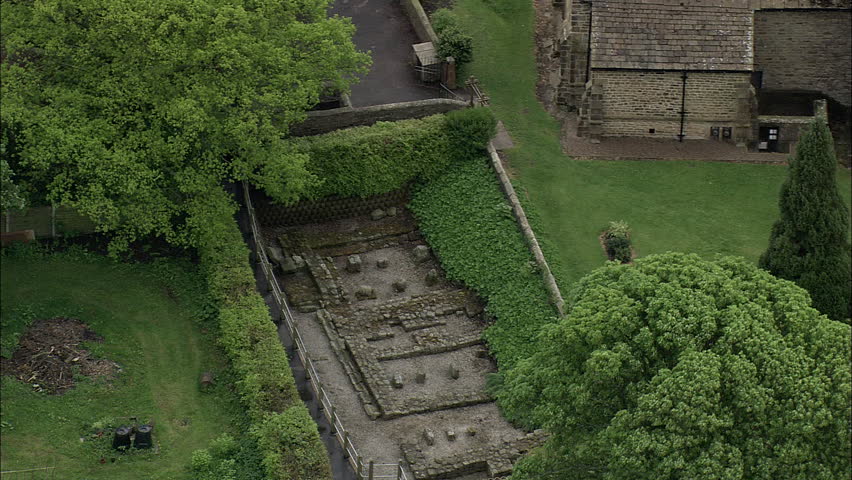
x=471 y=229
x=468 y=131
x=364 y=161
x=452 y=41
x=212 y=466
x=265 y=382
x=616 y=240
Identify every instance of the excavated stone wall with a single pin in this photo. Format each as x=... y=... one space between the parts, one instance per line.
x=409 y=341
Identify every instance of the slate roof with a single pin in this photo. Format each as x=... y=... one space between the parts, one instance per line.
x=671 y=35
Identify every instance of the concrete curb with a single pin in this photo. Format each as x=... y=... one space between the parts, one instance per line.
x=529 y=235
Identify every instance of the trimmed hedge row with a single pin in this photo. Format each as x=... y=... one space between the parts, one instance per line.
x=364 y=161
x=469 y=225
x=280 y=422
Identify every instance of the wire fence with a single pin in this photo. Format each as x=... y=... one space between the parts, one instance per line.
x=42 y=473
x=363 y=470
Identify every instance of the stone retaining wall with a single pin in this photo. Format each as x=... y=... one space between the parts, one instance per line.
x=324 y=121
x=329 y=208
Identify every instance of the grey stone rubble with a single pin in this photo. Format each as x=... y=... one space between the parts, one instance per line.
x=353 y=264
x=365 y=292
x=274 y=254
x=400 y=285
x=377 y=214
x=421 y=253
x=432 y=277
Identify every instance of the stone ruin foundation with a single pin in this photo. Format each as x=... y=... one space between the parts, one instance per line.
x=409 y=341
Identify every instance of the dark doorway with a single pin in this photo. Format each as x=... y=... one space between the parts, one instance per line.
x=757 y=80
x=768 y=139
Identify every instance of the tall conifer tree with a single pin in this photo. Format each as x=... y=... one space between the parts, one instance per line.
x=809 y=244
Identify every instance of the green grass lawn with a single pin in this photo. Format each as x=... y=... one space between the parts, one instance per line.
x=705 y=208
x=148 y=317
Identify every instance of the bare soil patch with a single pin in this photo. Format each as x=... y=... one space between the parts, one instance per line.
x=51 y=354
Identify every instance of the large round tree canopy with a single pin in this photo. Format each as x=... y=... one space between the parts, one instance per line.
x=136 y=112
x=676 y=367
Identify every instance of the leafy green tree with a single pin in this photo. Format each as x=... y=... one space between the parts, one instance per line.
x=809 y=244
x=676 y=368
x=136 y=113
x=10 y=194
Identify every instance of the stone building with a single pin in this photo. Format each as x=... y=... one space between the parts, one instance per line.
x=744 y=71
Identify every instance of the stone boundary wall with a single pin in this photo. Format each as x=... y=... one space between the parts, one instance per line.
x=805 y=50
x=529 y=235
x=324 y=121
x=47 y=222
x=420 y=21
x=325 y=209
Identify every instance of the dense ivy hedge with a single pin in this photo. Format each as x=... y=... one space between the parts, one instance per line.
x=469 y=225
x=364 y=161
x=280 y=422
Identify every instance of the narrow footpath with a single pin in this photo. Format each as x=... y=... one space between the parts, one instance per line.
x=341 y=469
